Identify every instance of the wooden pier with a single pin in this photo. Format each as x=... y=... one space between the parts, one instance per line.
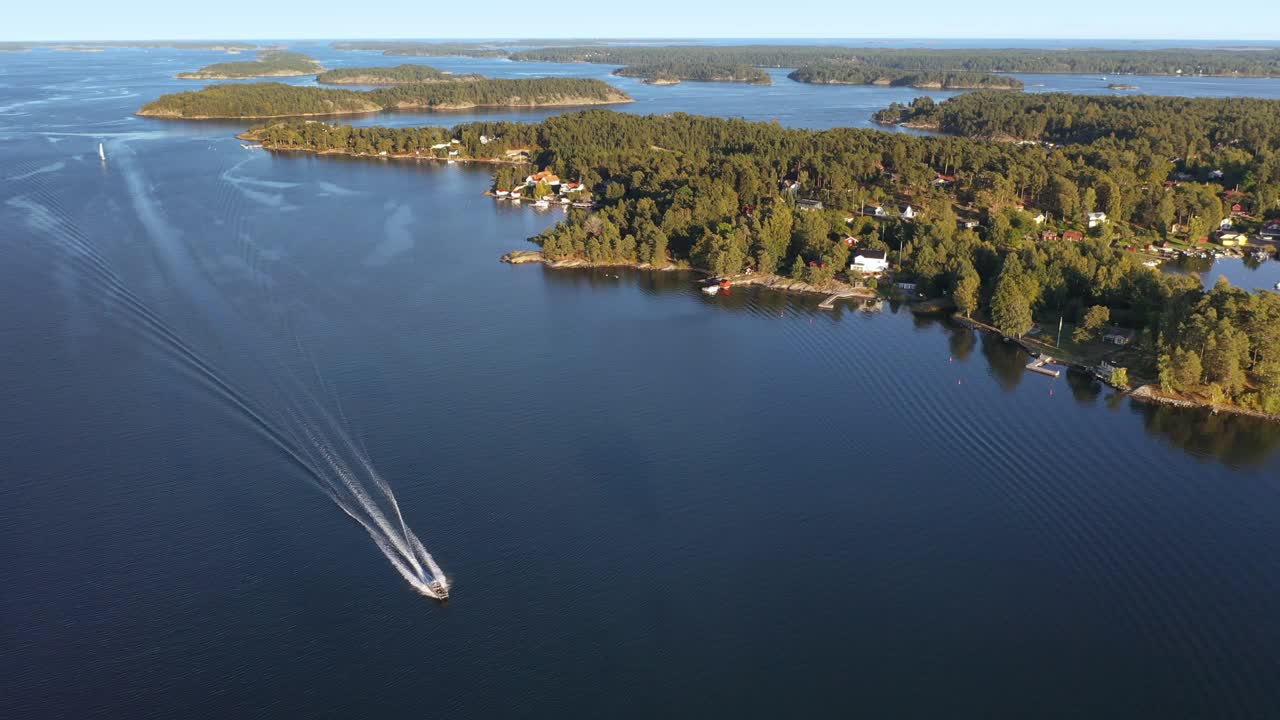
x=1038 y=366
x=830 y=302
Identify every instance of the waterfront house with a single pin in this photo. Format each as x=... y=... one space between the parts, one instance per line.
x=870 y=262
x=570 y=187
x=908 y=213
x=1271 y=231
x=809 y=204
x=1075 y=235
x=545 y=176
x=1232 y=239
x=1118 y=336
x=439 y=146
x=1096 y=218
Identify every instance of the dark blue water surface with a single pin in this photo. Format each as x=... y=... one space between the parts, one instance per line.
x=652 y=503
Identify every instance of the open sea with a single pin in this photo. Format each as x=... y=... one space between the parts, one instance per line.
x=649 y=502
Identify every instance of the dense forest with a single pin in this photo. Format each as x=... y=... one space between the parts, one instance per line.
x=671 y=72
x=1174 y=126
x=398 y=75
x=1263 y=63
x=845 y=73
x=264 y=100
x=271 y=64
x=718 y=193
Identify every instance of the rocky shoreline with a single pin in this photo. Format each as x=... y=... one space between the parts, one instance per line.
x=765 y=280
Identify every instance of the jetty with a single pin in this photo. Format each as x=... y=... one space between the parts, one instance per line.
x=1038 y=365
x=830 y=302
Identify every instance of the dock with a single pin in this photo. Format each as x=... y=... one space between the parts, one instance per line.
x=830 y=302
x=1038 y=366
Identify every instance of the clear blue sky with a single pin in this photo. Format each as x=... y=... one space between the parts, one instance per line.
x=231 y=19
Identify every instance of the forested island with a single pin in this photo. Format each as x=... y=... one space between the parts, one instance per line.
x=398 y=75
x=423 y=49
x=844 y=73
x=722 y=195
x=272 y=64
x=1242 y=63
x=271 y=100
x=670 y=73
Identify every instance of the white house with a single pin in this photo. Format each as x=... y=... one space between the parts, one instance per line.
x=908 y=213
x=875 y=211
x=439 y=146
x=1039 y=218
x=1225 y=224
x=1096 y=219
x=870 y=262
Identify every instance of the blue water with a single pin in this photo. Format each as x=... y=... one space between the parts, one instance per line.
x=651 y=503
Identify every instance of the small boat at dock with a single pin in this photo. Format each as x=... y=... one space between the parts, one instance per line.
x=711 y=289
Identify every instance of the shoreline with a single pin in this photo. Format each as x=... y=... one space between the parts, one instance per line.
x=768 y=281
x=1144 y=392
x=394 y=108
x=248 y=135
x=200 y=76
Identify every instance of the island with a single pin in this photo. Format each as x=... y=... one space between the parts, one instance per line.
x=1121 y=86
x=833 y=73
x=671 y=73
x=423 y=49
x=841 y=209
x=271 y=64
x=1175 y=61
x=274 y=100
x=398 y=75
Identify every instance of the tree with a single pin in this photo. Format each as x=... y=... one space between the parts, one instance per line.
x=798 y=268
x=1120 y=377
x=1009 y=308
x=1094 y=319
x=1187 y=370
x=965 y=294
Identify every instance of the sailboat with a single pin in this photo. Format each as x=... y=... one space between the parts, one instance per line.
x=102 y=153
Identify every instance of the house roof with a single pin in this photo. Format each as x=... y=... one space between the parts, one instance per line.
x=870 y=254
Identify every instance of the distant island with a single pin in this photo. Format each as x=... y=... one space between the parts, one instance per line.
x=423 y=49
x=1212 y=62
x=274 y=100
x=859 y=74
x=398 y=75
x=271 y=64
x=1121 y=86
x=671 y=73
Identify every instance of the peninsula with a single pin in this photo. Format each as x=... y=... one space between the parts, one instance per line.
x=845 y=207
x=398 y=75
x=270 y=64
x=671 y=73
x=275 y=100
